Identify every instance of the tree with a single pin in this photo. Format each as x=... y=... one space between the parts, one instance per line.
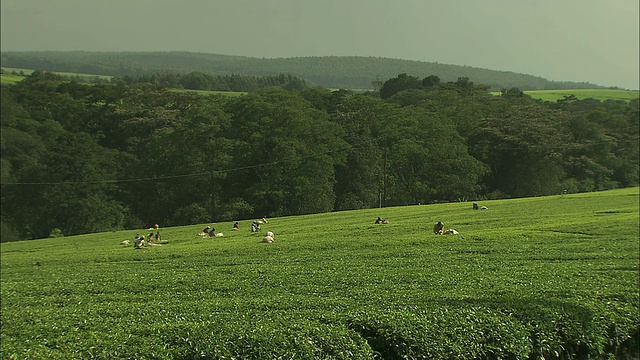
x=287 y=151
x=430 y=81
x=512 y=93
x=523 y=146
x=186 y=163
x=359 y=177
x=428 y=159
x=399 y=83
x=604 y=147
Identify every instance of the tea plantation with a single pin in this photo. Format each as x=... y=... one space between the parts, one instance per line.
x=547 y=277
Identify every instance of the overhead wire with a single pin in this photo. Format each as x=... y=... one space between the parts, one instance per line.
x=204 y=173
x=248 y=167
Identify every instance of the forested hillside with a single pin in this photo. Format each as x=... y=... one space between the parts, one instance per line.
x=347 y=72
x=88 y=158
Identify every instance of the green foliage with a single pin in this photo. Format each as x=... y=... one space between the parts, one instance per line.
x=360 y=175
x=297 y=142
x=8 y=232
x=191 y=213
x=400 y=83
x=564 y=95
x=56 y=233
x=106 y=157
x=524 y=154
x=581 y=94
x=12 y=76
x=548 y=277
x=404 y=82
x=10 y=79
x=233 y=83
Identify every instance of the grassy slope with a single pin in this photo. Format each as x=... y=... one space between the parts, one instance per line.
x=544 y=95
x=12 y=79
x=8 y=78
x=61 y=73
x=528 y=277
x=598 y=94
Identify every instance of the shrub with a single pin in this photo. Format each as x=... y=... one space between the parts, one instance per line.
x=55 y=233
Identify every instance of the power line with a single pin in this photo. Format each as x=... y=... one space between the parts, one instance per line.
x=168 y=177
x=187 y=175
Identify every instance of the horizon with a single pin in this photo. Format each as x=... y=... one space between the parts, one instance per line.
x=578 y=41
x=294 y=57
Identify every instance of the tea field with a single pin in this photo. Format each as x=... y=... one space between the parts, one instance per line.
x=581 y=94
x=546 y=277
x=598 y=94
x=13 y=73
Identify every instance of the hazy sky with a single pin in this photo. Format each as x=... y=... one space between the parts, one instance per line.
x=574 y=40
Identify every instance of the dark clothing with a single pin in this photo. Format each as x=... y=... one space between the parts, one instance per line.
x=437 y=228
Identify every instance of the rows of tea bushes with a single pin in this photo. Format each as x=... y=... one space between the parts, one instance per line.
x=549 y=277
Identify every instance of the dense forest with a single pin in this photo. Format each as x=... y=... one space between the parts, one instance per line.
x=337 y=72
x=200 y=81
x=80 y=158
x=194 y=80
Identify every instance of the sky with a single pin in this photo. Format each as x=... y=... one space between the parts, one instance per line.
x=594 y=41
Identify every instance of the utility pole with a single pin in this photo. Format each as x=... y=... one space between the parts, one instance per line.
x=384 y=179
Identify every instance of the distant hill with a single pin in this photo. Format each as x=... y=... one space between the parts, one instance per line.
x=349 y=72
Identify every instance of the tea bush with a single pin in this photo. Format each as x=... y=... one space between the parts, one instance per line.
x=551 y=277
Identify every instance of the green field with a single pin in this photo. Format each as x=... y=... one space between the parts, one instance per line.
x=10 y=79
x=581 y=94
x=552 y=277
x=66 y=74
x=544 y=95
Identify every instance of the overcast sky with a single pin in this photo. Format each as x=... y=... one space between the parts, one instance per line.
x=595 y=41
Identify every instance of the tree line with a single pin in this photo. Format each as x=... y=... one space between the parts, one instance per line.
x=82 y=158
x=196 y=80
x=192 y=81
x=346 y=72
